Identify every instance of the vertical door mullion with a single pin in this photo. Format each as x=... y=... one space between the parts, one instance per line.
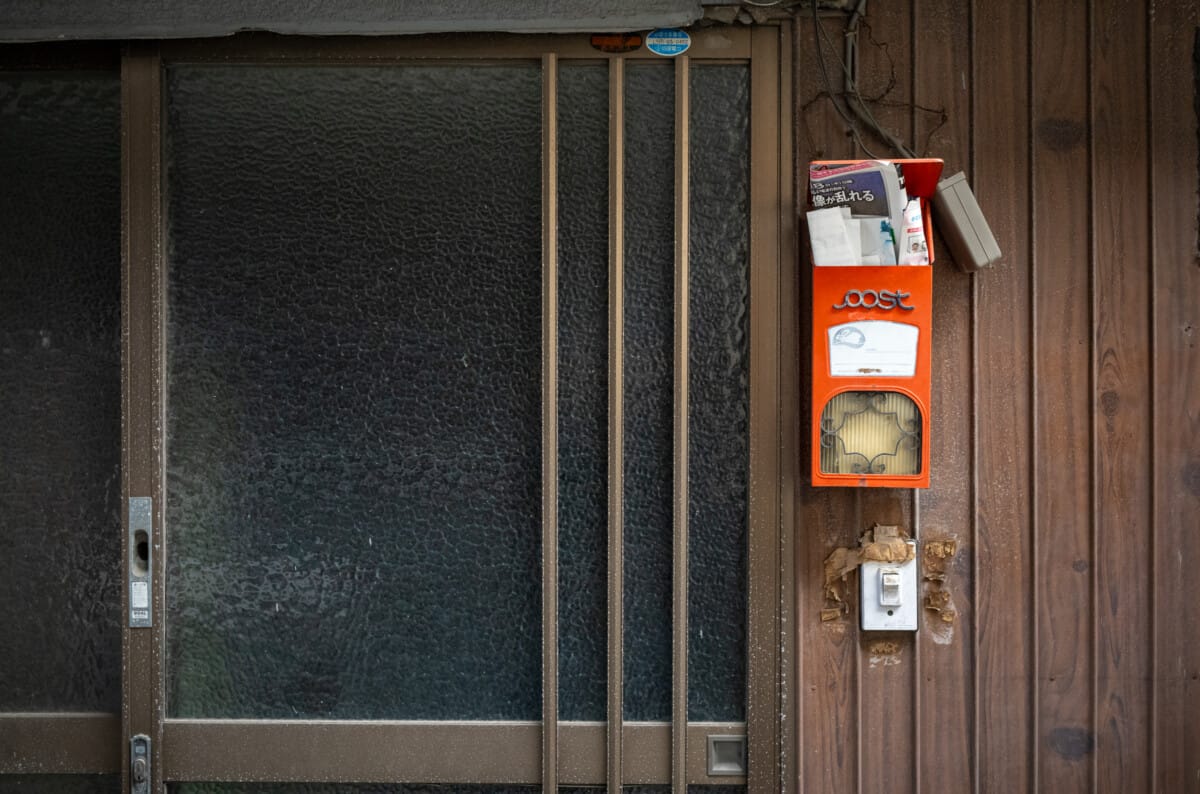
x=142 y=376
x=679 y=609
x=788 y=388
x=616 y=418
x=550 y=423
x=769 y=185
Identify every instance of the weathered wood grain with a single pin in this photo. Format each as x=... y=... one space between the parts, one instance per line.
x=1066 y=435
x=888 y=735
x=1174 y=464
x=1064 y=378
x=887 y=686
x=1005 y=599
x=827 y=704
x=1120 y=171
x=945 y=648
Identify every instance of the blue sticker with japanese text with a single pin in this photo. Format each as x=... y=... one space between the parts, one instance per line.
x=668 y=41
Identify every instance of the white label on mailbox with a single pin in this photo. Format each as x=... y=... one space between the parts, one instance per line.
x=139 y=595
x=873 y=347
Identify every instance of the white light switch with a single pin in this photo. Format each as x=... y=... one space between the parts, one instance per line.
x=889 y=587
x=889 y=594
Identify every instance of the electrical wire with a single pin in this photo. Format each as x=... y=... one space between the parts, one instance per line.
x=859 y=106
x=851 y=126
x=851 y=95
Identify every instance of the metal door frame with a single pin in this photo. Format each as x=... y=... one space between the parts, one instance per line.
x=613 y=753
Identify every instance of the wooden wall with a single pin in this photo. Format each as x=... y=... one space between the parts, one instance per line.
x=1066 y=428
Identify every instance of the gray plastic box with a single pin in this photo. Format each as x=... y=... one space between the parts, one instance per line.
x=963 y=226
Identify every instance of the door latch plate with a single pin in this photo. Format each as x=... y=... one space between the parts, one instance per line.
x=139 y=764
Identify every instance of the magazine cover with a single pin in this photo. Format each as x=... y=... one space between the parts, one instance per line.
x=862 y=187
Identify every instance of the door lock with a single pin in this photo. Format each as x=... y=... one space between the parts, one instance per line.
x=139 y=764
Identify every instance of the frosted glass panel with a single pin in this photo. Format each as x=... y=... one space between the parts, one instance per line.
x=649 y=373
x=718 y=391
x=60 y=784
x=354 y=424
x=60 y=440
x=583 y=390
x=865 y=432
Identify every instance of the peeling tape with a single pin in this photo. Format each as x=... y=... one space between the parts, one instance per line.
x=879 y=544
x=936 y=555
x=939 y=601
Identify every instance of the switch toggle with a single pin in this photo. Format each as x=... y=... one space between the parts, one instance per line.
x=889 y=587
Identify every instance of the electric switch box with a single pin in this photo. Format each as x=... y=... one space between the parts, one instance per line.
x=963 y=226
x=889 y=594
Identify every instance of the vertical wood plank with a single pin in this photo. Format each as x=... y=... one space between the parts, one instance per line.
x=1175 y=457
x=827 y=723
x=1063 y=485
x=1121 y=360
x=886 y=696
x=885 y=74
x=822 y=134
x=887 y=686
x=1001 y=168
x=945 y=645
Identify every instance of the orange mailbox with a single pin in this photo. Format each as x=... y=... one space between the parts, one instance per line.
x=872 y=326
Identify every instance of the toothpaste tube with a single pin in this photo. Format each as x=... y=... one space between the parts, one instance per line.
x=913 y=248
x=887 y=244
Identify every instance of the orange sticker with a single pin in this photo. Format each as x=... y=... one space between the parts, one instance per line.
x=617 y=42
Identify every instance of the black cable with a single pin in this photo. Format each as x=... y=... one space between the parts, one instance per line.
x=829 y=86
x=851 y=94
x=859 y=106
